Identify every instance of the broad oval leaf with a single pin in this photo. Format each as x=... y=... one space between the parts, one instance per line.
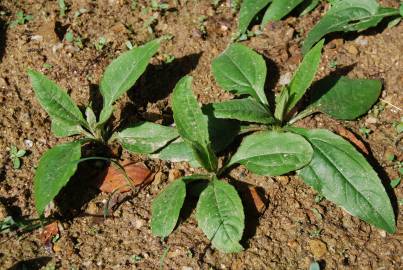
x=278 y=9
x=341 y=174
x=347 y=98
x=273 y=153
x=344 y=15
x=146 y=137
x=242 y=71
x=249 y=9
x=304 y=75
x=166 y=208
x=177 y=151
x=55 y=168
x=62 y=129
x=122 y=74
x=55 y=101
x=246 y=109
x=192 y=124
x=220 y=215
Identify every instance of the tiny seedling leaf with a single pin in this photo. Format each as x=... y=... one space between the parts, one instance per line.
x=242 y=71
x=273 y=153
x=308 y=6
x=54 y=100
x=166 y=208
x=122 y=74
x=278 y=9
x=192 y=124
x=249 y=9
x=55 y=168
x=246 y=109
x=146 y=137
x=347 y=98
x=220 y=215
x=304 y=75
x=342 y=175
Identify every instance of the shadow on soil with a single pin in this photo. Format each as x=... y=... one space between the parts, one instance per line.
x=3 y=29
x=33 y=264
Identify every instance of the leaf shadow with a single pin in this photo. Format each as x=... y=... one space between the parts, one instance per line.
x=154 y=86
x=32 y=264
x=271 y=81
x=83 y=185
x=3 y=38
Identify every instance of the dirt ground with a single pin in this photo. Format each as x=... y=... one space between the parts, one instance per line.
x=292 y=232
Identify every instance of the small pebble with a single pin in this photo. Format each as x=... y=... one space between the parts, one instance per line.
x=28 y=143
x=317 y=248
x=371 y=120
x=285 y=78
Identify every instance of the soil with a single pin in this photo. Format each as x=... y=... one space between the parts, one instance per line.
x=292 y=232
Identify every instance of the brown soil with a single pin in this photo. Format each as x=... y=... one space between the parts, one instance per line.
x=290 y=234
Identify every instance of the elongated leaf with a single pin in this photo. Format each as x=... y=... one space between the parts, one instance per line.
x=63 y=129
x=343 y=176
x=279 y=9
x=308 y=6
x=304 y=75
x=178 y=151
x=122 y=74
x=347 y=98
x=55 y=168
x=247 y=109
x=219 y=214
x=249 y=9
x=281 y=103
x=192 y=124
x=55 y=101
x=273 y=153
x=146 y=137
x=166 y=208
x=347 y=15
x=242 y=71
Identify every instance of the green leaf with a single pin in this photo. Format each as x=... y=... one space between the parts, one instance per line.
x=219 y=214
x=278 y=9
x=304 y=75
x=345 y=98
x=242 y=71
x=249 y=9
x=347 y=15
x=166 y=208
x=308 y=6
x=54 y=100
x=16 y=163
x=55 y=168
x=281 y=103
x=21 y=153
x=341 y=174
x=192 y=124
x=91 y=118
x=395 y=182
x=246 y=109
x=122 y=74
x=146 y=137
x=273 y=153
x=62 y=129
x=177 y=151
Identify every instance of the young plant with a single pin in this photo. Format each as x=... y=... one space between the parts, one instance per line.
x=219 y=211
x=58 y=164
x=324 y=160
x=347 y=16
x=21 y=19
x=275 y=11
x=16 y=155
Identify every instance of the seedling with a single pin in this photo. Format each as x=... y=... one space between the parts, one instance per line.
x=324 y=160
x=219 y=211
x=62 y=8
x=59 y=163
x=21 y=19
x=99 y=45
x=16 y=155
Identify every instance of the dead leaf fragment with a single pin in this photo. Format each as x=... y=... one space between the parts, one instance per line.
x=257 y=199
x=49 y=231
x=115 y=178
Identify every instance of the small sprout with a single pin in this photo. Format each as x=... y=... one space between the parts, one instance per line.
x=136 y=258
x=400 y=202
x=15 y=156
x=62 y=7
x=394 y=182
x=202 y=21
x=47 y=66
x=315 y=233
x=168 y=58
x=21 y=19
x=78 y=42
x=215 y=3
x=133 y=4
x=100 y=43
x=150 y=22
x=398 y=126
x=333 y=64
x=365 y=131
x=390 y=157
x=317 y=214
x=319 y=198
x=314 y=266
x=69 y=37
x=157 y=5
